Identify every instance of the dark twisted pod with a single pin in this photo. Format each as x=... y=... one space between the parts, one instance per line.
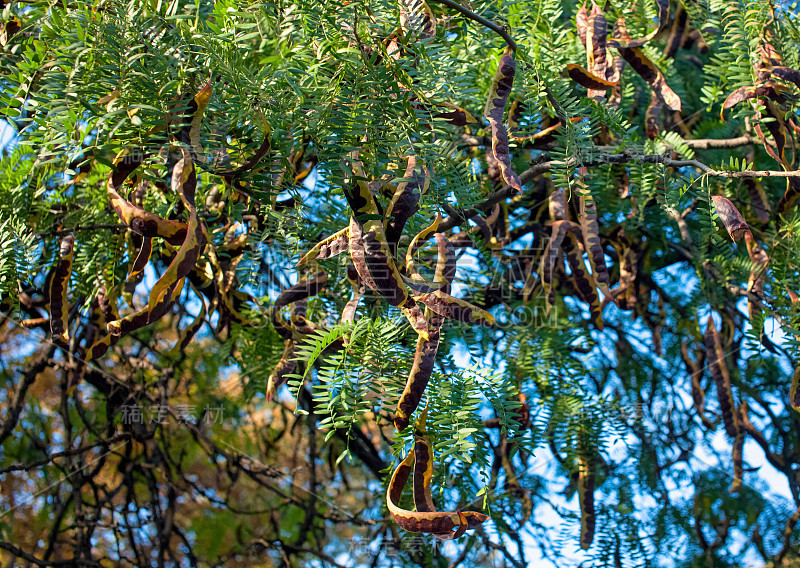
x=59 y=306
x=719 y=372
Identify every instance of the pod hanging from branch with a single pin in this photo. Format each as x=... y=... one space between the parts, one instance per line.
x=439 y=523
x=59 y=285
x=184 y=182
x=584 y=282
x=418 y=377
x=405 y=201
x=586 y=484
x=719 y=372
x=648 y=71
x=369 y=249
x=428 y=341
x=423 y=466
x=730 y=216
x=285 y=367
x=495 y=106
x=590 y=230
x=328 y=248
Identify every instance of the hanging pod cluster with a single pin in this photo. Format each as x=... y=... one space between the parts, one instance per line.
x=210 y=275
x=602 y=72
x=372 y=239
x=771 y=100
x=570 y=239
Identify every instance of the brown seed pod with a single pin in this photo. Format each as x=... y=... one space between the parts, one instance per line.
x=59 y=285
x=495 y=106
x=730 y=216
x=719 y=372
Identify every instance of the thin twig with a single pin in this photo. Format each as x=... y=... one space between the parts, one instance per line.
x=481 y=20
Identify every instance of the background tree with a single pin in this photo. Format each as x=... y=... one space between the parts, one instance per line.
x=565 y=234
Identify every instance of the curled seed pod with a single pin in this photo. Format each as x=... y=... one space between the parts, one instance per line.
x=438 y=523
x=376 y=266
x=405 y=201
x=768 y=90
x=423 y=466
x=369 y=250
x=59 y=306
x=454 y=114
x=328 y=247
x=152 y=312
x=416 y=242
x=495 y=106
x=192 y=118
x=731 y=218
x=137 y=270
x=719 y=372
x=137 y=219
x=184 y=182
